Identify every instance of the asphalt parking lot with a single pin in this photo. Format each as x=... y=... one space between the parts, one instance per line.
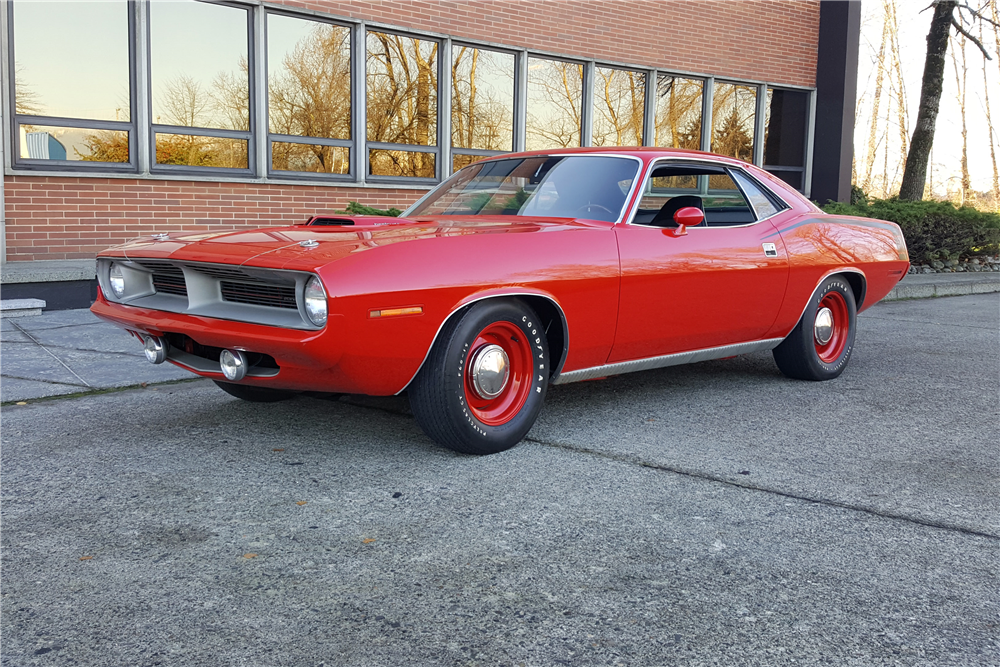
x=714 y=514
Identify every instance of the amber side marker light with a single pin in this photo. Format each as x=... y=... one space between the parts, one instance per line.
x=393 y=312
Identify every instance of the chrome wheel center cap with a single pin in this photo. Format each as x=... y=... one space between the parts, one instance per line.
x=490 y=370
x=823 y=329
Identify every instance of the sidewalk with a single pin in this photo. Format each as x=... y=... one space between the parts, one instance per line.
x=71 y=351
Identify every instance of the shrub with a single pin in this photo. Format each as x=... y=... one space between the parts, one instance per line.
x=933 y=229
x=355 y=208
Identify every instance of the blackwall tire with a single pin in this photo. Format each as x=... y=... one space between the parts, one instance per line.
x=447 y=398
x=254 y=394
x=807 y=353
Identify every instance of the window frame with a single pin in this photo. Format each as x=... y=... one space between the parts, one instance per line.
x=16 y=120
x=369 y=145
x=351 y=144
x=248 y=136
x=724 y=168
x=476 y=152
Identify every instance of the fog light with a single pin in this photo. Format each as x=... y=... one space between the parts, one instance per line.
x=234 y=365
x=117 y=280
x=155 y=349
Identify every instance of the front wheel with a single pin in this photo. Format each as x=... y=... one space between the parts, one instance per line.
x=483 y=383
x=820 y=345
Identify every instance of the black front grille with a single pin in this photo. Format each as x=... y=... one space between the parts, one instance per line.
x=169 y=283
x=220 y=272
x=275 y=296
x=167 y=278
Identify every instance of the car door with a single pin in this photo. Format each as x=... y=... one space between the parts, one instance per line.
x=720 y=283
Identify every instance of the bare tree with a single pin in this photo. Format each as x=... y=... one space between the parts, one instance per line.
x=961 y=72
x=943 y=20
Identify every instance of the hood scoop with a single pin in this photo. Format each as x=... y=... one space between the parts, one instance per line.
x=323 y=221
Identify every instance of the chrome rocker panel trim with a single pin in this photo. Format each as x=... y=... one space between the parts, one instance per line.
x=667 y=360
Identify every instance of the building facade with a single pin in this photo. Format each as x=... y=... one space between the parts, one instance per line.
x=130 y=117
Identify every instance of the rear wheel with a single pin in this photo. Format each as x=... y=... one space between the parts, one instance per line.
x=254 y=394
x=484 y=381
x=820 y=345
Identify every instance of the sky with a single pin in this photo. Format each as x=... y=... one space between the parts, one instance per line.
x=947 y=150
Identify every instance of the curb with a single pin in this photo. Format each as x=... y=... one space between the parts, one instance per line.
x=925 y=290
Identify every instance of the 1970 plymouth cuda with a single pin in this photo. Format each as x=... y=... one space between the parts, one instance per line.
x=518 y=272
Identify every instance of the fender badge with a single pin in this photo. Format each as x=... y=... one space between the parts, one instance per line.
x=161 y=237
x=770 y=250
x=309 y=243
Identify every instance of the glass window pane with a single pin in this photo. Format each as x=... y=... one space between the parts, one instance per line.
x=459 y=161
x=678 y=112
x=619 y=105
x=482 y=104
x=286 y=156
x=595 y=187
x=72 y=59
x=734 y=109
x=401 y=163
x=785 y=128
x=555 y=93
x=402 y=89
x=309 y=78
x=199 y=65
x=38 y=142
x=197 y=151
x=760 y=202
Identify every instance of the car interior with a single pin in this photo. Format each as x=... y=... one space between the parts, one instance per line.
x=672 y=187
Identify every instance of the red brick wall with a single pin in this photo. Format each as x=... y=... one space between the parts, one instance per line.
x=73 y=218
x=763 y=40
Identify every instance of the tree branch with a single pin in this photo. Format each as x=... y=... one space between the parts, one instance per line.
x=972 y=39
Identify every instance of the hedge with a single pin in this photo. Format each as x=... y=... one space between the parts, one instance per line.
x=934 y=230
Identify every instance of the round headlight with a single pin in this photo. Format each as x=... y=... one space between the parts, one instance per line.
x=117 y=280
x=315 y=297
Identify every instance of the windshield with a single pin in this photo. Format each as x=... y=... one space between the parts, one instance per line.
x=545 y=186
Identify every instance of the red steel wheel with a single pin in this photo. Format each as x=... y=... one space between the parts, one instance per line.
x=820 y=345
x=502 y=355
x=483 y=383
x=832 y=324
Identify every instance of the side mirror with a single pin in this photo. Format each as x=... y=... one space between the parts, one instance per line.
x=688 y=216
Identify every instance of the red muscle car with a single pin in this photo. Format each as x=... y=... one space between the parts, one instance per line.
x=518 y=272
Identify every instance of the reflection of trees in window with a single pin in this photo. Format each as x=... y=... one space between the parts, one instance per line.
x=619 y=104
x=401 y=163
x=201 y=151
x=309 y=93
x=402 y=90
x=555 y=92
x=734 y=109
x=482 y=106
x=104 y=146
x=678 y=112
x=402 y=102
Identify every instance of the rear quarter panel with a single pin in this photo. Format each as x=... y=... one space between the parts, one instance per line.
x=819 y=245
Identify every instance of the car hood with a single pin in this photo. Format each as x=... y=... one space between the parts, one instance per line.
x=308 y=247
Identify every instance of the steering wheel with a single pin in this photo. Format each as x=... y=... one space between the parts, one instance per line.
x=589 y=208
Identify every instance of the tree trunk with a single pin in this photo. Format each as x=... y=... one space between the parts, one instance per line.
x=915 y=174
